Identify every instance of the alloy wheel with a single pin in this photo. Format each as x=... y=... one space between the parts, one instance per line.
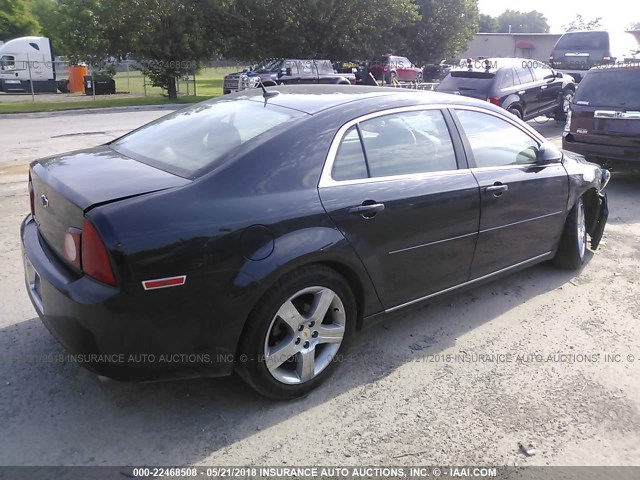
x=582 y=229
x=304 y=335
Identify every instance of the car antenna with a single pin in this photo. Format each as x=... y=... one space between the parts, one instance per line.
x=265 y=93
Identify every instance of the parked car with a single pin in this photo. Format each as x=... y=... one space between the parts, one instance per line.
x=252 y=232
x=604 y=120
x=393 y=67
x=576 y=52
x=526 y=88
x=286 y=71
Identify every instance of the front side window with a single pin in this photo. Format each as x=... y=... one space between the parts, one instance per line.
x=543 y=72
x=396 y=144
x=495 y=142
x=8 y=62
x=291 y=67
x=524 y=74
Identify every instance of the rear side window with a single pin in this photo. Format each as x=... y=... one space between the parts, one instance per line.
x=350 y=163
x=507 y=78
x=397 y=144
x=202 y=136
x=495 y=142
x=580 y=41
x=610 y=88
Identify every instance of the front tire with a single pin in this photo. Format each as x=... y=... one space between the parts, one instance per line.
x=295 y=331
x=573 y=243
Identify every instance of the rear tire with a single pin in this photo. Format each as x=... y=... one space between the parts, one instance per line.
x=573 y=243
x=391 y=77
x=565 y=105
x=516 y=112
x=295 y=331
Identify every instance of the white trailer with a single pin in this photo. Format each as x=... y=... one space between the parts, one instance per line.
x=25 y=61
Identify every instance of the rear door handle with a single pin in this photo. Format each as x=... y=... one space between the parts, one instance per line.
x=522 y=92
x=368 y=210
x=544 y=87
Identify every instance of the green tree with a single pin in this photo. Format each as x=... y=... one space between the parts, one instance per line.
x=44 y=12
x=444 y=29
x=522 y=22
x=169 y=38
x=319 y=28
x=580 y=23
x=16 y=20
x=487 y=24
x=173 y=37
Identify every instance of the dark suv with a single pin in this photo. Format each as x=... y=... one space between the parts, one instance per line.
x=576 y=52
x=604 y=120
x=526 y=88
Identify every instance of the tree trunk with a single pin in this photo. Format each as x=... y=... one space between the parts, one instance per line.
x=171 y=88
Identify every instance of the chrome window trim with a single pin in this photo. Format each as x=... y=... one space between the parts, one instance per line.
x=393 y=252
x=559 y=212
x=326 y=180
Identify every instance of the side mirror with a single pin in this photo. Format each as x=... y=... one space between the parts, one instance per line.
x=548 y=154
x=558 y=75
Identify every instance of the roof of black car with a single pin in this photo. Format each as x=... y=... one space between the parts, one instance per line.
x=313 y=99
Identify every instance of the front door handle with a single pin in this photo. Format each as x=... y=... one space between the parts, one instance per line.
x=544 y=87
x=367 y=210
x=522 y=92
x=497 y=189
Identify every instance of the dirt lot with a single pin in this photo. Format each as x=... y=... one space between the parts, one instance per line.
x=404 y=397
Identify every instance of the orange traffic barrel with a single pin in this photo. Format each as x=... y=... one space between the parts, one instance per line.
x=76 y=78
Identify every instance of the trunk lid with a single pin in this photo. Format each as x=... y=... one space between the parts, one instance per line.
x=66 y=186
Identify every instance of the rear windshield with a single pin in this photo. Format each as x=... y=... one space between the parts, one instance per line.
x=467 y=81
x=610 y=88
x=580 y=41
x=198 y=138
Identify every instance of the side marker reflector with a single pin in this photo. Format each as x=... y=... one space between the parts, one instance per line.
x=164 y=282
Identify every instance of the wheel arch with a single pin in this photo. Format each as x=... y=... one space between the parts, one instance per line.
x=314 y=246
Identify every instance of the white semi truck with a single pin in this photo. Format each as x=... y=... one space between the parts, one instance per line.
x=25 y=61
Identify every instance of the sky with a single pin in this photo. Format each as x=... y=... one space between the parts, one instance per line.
x=616 y=14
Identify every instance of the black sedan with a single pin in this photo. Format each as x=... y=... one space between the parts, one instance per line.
x=258 y=232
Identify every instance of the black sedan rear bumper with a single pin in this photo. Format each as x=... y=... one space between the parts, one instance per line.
x=104 y=330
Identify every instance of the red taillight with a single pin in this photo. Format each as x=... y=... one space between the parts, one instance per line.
x=72 y=246
x=607 y=57
x=494 y=100
x=32 y=195
x=95 y=261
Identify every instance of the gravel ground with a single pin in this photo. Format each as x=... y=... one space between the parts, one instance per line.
x=407 y=394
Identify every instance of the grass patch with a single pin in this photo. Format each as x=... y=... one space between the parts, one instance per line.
x=208 y=84
x=100 y=102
